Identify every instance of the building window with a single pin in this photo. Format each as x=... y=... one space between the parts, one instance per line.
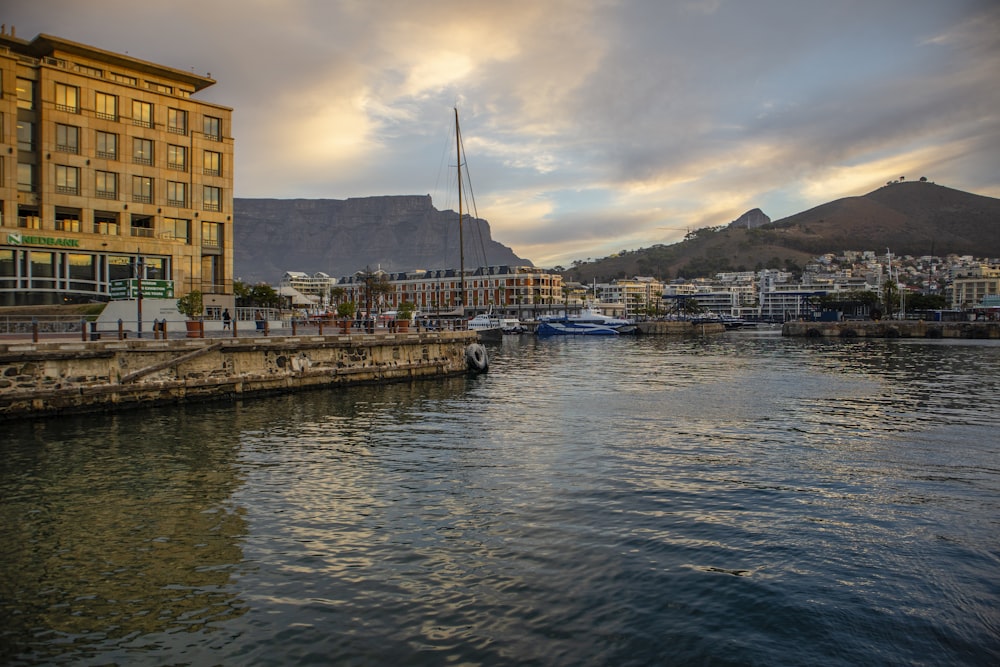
x=67 y=98
x=67 y=180
x=142 y=113
x=29 y=221
x=25 y=94
x=212 y=198
x=90 y=71
x=67 y=221
x=42 y=268
x=212 y=128
x=107 y=145
x=81 y=272
x=142 y=151
x=211 y=235
x=142 y=226
x=177 y=157
x=25 y=135
x=106 y=223
x=106 y=185
x=177 y=121
x=67 y=138
x=123 y=78
x=212 y=164
x=179 y=228
x=106 y=106
x=25 y=177
x=176 y=193
x=142 y=190
x=159 y=87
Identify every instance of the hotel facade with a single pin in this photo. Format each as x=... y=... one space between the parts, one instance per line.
x=109 y=171
x=524 y=292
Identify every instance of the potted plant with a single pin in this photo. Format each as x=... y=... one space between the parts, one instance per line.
x=345 y=311
x=191 y=305
x=404 y=313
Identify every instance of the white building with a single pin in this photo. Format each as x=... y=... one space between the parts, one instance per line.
x=315 y=288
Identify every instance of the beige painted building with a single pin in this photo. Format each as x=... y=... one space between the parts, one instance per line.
x=108 y=167
x=972 y=285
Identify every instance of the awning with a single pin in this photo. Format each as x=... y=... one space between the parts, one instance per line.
x=297 y=297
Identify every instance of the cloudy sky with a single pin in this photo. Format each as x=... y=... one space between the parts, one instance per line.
x=590 y=126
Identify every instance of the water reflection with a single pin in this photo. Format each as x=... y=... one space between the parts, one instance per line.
x=736 y=498
x=117 y=530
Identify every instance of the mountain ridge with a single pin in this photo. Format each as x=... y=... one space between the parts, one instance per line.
x=406 y=232
x=910 y=218
x=342 y=236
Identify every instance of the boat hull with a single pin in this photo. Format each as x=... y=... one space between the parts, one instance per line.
x=569 y=328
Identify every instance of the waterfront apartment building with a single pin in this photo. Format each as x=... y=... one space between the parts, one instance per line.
x=640 y=295
x=109 y=170
x=972 y=285
x=314 y=288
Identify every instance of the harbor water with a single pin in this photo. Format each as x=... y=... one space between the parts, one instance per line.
x=743 y=499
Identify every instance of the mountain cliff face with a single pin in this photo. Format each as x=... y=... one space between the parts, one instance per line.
x=340 y=237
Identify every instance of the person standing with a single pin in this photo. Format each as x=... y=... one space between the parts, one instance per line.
x=227 y=319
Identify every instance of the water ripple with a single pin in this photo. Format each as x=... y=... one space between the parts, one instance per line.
x=743 y=499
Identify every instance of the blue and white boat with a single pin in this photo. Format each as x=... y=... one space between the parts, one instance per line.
x=590 y=322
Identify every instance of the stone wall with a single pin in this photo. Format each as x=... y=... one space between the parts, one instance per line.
x=62 y=377
x=678 y=328
x=892 y=329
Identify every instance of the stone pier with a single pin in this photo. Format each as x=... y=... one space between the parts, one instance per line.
x=892 y=329
x=679 y=328
x=65 y=377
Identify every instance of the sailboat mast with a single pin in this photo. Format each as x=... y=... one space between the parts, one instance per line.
x=461 y=238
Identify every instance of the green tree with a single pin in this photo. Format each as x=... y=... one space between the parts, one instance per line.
x=263 y=295
x=917 y=302
x=242 y=292
x=191 y=305
x=346 y=309
x=405 y=310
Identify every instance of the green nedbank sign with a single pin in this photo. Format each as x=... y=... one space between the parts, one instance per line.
x=17 y=238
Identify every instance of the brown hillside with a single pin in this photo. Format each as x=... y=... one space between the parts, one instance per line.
x=915 y=218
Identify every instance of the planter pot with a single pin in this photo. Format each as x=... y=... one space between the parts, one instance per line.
x=195 y=329
x=345 y=326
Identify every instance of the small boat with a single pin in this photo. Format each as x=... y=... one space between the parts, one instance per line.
x=590 y=322
x=487 y=326
x=511 y=326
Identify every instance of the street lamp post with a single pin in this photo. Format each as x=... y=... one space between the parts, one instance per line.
x=138 y=281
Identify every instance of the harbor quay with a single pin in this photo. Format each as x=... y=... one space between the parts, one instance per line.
x=892 y=329
x=678 y=328
x=63 y=377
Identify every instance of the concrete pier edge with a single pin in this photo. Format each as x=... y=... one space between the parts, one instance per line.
x=63 y=377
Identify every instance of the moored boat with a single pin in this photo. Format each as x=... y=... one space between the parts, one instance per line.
x=486 y=326
x=590 y=322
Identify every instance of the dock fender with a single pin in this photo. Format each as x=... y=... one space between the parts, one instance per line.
x=476 y=358
x=814 y=333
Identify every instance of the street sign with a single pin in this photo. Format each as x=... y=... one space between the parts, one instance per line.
x=151 y=289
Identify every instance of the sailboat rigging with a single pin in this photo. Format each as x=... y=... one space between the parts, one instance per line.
x=461 y=237
x=487 y=325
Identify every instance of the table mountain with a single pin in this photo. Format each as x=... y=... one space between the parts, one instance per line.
x=340 y=237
